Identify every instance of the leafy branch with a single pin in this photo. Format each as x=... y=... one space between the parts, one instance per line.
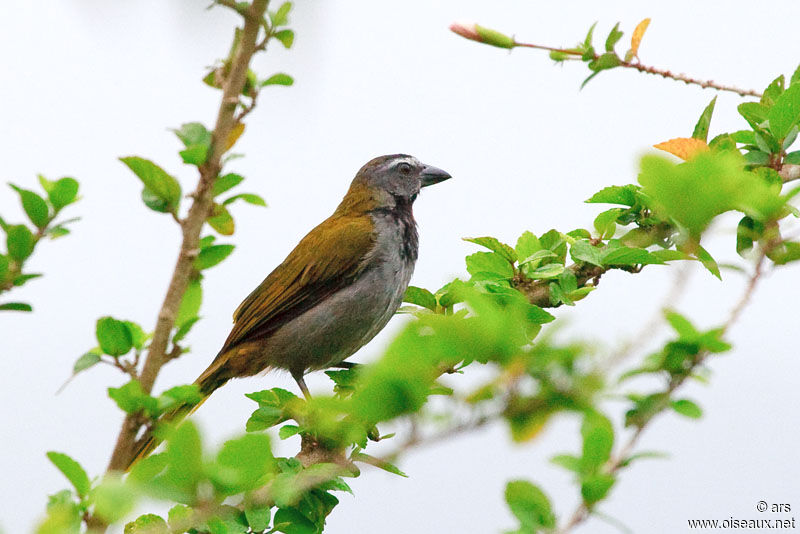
x=21 y=240
x=654 y=404
x=597 y=62
x=191 y=226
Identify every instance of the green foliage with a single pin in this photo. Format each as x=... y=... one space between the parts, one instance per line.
x=72 y=470
x=530 y=506
x=114 y=336
x=162 y=192
x=21 y=240
x=495 y=319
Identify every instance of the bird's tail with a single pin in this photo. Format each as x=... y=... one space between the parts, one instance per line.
x=208 y=382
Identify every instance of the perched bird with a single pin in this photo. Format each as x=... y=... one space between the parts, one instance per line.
x=336 y=290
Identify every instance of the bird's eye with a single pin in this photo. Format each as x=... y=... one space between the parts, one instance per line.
x=403 y=167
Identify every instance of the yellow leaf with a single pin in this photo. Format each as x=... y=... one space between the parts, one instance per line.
x=683 y=147
x=636 y=39
x=236 y=132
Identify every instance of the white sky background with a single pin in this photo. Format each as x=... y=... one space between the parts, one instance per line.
x=87 y=81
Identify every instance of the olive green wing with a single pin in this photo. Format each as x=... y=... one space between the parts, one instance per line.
x=326 y=260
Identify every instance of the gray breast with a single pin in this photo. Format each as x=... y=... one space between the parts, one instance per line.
x=336 y=328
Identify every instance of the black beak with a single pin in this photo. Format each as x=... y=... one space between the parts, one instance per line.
x=432 y=175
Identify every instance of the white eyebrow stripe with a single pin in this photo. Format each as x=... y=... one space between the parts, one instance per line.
x=411 y=160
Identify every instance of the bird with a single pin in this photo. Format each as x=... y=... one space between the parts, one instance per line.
x=334 y=291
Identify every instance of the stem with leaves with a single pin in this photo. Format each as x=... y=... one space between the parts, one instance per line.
x=192 y=225
x=582 y=512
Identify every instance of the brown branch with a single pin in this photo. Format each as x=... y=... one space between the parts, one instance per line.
x=705 y=84
x=789 y=172
x=191 y=227
x=538 y=291
x=582 y=512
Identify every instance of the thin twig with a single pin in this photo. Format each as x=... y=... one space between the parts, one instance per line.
x=705 y=84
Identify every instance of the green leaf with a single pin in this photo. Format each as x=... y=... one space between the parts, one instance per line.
x=718 y=182
x=537 y=257
x=131 y=398
x=287 y=431
x=184 y=329
x=113 y=500
x=147 y=524
x=630 y=256
x=747 y=231
x=379 y=463
x=489 y=262
x=687 y=408
x=257 y=517
x=606 y=61
x=154 y=202
x=250 y=198
x=681 y=325
x=670 y=255
x=587 y=42
x=264 y=417
x=754 y=113
x=787 y=252
x=703 y=123
x=286 y=37
x=595 y=487
x=606 y=222
x=582 y=250
x=245 y=460
x=280 y=78
x=194 y=155
x=23 y=278
x=615 y=194
x=598 y=439
x=773 y=91
x=529 y=505
x=614 y=36
x=420 y=297
x=87 y=360
x=3 y=267
x=568 y=462
x=113 y=336
x=212 y=255
x=156 y=180
x=63 y=192
x=527 y=245
x=756 y=157
x=138 y=335
x=16 y=306
x=290 y=521
x=193 y=133
x=551 y=270
x=19 y=242
x=494 y=245
x=708 y=262
x=190 y=304
x=281 y=16
x=73 y=471
x=35 y=207
x=785 y=112
x=226 y=182
x=221 y=220
x=185 y=458
x=179 y=517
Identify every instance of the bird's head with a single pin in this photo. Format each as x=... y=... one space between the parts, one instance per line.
x=386 y=181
